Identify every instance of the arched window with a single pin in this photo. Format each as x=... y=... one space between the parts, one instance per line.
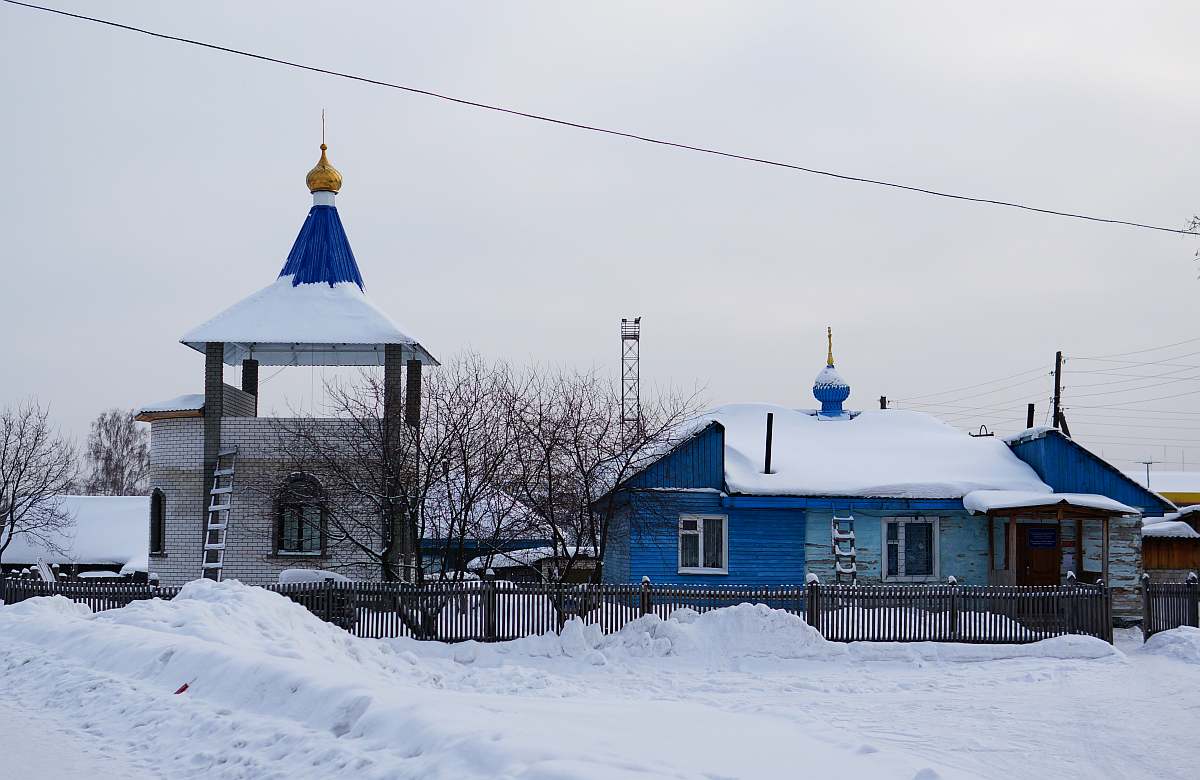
x=158 y=521
x=301 y=523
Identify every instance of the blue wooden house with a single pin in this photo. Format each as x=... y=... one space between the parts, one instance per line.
x=757 y=494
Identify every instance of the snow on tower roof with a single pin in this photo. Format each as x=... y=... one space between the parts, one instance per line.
x=316 y=313
x=895 y=453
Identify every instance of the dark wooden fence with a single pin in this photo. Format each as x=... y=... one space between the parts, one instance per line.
x=1167 y=605
x=978 y=614
x=497 y=611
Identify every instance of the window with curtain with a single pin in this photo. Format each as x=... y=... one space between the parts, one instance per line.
x=910 y=549
x=301 y=518
x=158 y=511
x=703 y=544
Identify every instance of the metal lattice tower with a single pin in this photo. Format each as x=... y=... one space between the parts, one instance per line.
x=631 y=379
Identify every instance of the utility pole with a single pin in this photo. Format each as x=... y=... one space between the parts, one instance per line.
x=1147 y=464
x=1060 y=421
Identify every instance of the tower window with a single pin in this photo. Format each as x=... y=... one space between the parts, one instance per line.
x=158 y=512
x=301 y=521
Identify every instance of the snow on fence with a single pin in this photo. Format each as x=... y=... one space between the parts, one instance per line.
x=1168 y=605
x=496 y=611
x=976 y=614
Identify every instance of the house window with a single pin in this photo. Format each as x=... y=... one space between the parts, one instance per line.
x=703 y=544
x=301 y=519
x=158 y=508
x=910 y=549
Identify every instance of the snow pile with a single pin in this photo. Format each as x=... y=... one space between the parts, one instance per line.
x=1182 y=644
x=742 y=631
x=884 y=453
x=1065 y=648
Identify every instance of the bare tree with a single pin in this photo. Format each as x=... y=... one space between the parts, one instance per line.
x=117 y=456
x=37 y=466
x=573 y=453
x=441 y=482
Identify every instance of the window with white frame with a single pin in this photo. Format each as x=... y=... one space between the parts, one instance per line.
x=910 y=549
x=703 y=544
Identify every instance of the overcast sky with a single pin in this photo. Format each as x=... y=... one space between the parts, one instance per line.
x=149 y=185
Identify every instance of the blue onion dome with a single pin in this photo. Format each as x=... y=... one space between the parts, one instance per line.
x=829 y=388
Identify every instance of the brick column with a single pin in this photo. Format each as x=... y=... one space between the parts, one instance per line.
x=393 y=409
x=250 y=381
x=214 y=409
x=412 y=395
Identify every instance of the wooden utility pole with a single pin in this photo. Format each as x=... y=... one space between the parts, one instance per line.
x=1060 y=420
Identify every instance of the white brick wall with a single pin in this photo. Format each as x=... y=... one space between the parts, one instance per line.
x=177 y=468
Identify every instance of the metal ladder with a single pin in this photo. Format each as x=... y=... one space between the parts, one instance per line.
x=844 y=561
x=217 y=526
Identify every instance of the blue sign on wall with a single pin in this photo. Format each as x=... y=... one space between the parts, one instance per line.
x=1043 y=538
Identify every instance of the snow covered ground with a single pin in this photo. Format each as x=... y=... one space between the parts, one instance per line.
x=741 y=692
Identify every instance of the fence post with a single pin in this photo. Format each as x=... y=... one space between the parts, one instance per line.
x=1193 y=588
x=646 y=606
x=813 y=607
x=1072 y=600
x=1147 y=608
x=1106 y=611
x=489 y=610
x=952 y=581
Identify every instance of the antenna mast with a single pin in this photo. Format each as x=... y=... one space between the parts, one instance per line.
x=631 y=376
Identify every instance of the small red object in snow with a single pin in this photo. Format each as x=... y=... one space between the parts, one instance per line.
x=182 y=688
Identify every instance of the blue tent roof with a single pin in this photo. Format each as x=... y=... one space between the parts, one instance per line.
x=322 y=252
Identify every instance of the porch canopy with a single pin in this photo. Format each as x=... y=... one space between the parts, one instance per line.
x=1029 y=550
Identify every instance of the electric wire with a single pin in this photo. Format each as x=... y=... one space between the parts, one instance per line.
x=633 y=136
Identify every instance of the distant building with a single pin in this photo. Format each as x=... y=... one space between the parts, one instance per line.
x=1182 y=488
x=108 y=535
x=876 y=496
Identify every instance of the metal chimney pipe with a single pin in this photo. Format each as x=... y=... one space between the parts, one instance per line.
x=883 y=402
x=1029 y=416
x=770 y=433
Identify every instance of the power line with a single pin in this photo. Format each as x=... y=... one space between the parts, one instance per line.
x=970 y=387
x=596 y=129
x=1140 y=351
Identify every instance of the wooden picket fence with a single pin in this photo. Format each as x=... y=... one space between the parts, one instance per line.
x=1168 y=605
x=497 y=611
x=976 y=614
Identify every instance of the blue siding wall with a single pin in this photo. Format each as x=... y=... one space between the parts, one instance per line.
x=962 y=544
x=698 y=462
x=616 y=549
x=1069 y=468
x=766 y=547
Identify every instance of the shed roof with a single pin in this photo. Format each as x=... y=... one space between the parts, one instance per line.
x=982 y=501
x=108 y=530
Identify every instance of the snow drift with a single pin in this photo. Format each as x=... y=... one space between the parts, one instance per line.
x=1182 y=644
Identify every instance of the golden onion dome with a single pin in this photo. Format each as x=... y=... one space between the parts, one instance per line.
x=323 y=177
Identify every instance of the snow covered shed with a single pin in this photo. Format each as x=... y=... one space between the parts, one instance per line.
x=1171 y=544
x=875 y=496
x=107 y=534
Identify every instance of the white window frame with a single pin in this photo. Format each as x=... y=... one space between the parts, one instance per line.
x=902 y=522
x=699 y=532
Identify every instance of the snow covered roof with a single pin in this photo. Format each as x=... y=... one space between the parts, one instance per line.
x=109 y=530
x=315 y=314
x=1175 y=529
x=190 y=402
x=527 y=557
x=1177 y=525
x=979 y=501
x=892 y=453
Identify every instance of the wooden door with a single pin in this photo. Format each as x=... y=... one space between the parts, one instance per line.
x=1038 y=554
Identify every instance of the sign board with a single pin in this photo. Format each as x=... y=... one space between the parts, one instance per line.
x=1043 y=538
